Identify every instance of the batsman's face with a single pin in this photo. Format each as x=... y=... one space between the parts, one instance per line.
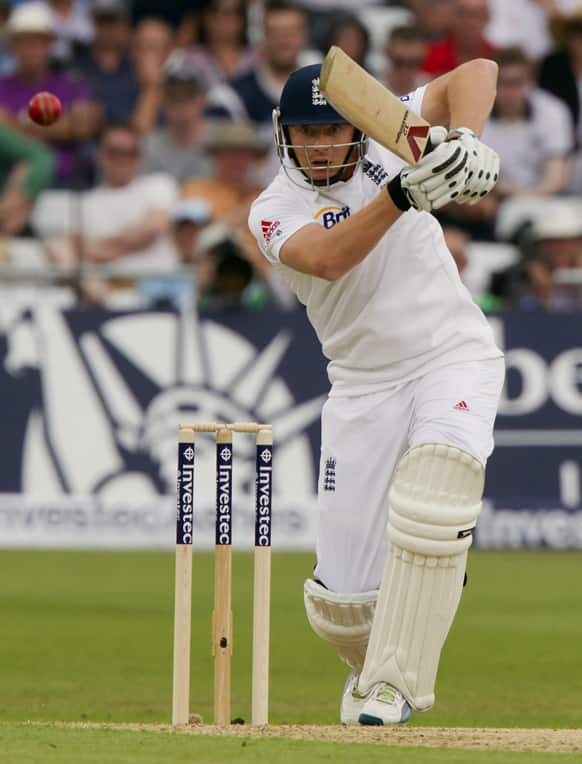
x=321 y=149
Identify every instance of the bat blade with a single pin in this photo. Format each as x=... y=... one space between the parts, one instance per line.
x=372 y=108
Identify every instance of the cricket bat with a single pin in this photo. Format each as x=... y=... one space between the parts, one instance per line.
x=372 y=108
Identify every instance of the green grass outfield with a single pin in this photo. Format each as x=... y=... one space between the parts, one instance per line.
x=65 y=746
x=87 y=636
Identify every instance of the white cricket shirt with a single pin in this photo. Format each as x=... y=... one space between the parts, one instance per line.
x=398 y=314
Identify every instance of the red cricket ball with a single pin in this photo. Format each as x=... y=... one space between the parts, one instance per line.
x=44 y=108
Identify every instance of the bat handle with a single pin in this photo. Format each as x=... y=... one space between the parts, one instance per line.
x=439 y=132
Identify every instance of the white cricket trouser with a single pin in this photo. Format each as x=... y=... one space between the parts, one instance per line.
x=363 y=439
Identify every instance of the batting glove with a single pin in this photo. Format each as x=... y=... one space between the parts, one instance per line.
x=483 y=166
x=440 y=176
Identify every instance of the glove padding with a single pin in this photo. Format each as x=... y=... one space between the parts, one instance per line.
x=483 y=167
x=440 y=176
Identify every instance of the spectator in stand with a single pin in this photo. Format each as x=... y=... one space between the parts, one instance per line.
x=173 y=12
x=465 y=41
x=237 y=150
x=349 y=34
x=126 y=219
x=530 y=129
x=524 y=24
x=26 y=169
x=178 y=148
x=105 y=65
x=322 y=14
x=554 y=244
x=433 y=17
x=230 y=277
x=557 y=247
x=73 y=28
x=222 y=52
x=30 y=30
x=561 y=71
x=254 y=95
x=561 y=74
x=189 y=219
x=153 y=41
x=532 y=133
x=405 y=53
x=6 y=58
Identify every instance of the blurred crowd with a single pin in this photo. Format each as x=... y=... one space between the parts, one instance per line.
x=165 y=138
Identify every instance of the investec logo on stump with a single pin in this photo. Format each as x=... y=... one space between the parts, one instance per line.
x=185 y=509
x=264 y=492
x=224 y=494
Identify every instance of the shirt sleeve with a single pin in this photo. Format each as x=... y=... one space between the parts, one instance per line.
x=415 y=99
x=274 y=218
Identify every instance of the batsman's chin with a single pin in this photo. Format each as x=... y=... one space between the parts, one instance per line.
x=319 y=172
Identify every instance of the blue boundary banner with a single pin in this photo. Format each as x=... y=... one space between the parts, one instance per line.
x=93 y=399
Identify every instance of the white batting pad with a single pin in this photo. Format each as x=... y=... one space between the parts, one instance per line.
x=435 y=499
x=343 y=620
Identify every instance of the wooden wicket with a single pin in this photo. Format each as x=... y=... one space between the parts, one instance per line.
x=183 y=579
x=222 y=614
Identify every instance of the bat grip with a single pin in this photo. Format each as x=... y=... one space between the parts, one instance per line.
x=439 y=132
x=430 y=146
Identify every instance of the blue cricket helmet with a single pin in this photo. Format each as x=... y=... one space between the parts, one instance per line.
x=303 y=104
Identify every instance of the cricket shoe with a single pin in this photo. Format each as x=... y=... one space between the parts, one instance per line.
x=352 y=701
x=384 y=705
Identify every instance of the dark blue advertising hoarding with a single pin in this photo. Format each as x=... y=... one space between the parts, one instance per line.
x=93 y=398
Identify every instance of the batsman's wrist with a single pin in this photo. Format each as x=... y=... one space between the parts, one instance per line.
x=458 y=132
x=397 y=194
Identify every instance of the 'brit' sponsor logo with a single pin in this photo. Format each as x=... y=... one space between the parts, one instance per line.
x=330 y=216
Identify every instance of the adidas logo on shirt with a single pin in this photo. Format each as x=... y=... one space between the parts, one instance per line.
x=269 y=228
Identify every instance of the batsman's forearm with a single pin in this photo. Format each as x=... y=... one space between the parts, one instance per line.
x=470 y=94
x=347 y=244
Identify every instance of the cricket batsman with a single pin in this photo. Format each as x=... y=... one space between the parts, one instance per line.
x=414 y=371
